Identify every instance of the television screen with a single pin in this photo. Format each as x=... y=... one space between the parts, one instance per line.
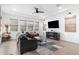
x=53 y=24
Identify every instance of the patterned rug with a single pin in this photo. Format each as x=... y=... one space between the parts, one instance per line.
x=50 y=46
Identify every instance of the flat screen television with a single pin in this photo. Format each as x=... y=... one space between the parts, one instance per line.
x=53 y=24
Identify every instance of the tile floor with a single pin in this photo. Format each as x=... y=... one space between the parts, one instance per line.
x=52 y=47
x=8 y=48
x=59 y=48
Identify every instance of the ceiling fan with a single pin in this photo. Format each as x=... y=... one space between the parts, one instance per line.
x=37 y=10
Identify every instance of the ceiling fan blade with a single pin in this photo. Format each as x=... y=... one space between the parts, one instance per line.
x=37 y=10
x=40 y=11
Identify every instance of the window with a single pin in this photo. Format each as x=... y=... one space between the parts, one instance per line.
x=36 y=26
x=30 y=26
x=23 y=25
x=13 y=25
x=70 y=23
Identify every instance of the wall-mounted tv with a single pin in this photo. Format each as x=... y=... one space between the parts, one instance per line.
x=53 y=24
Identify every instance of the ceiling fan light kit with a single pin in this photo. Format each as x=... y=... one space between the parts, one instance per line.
x=37 y=10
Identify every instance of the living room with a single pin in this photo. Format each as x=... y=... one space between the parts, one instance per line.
x=54 y=26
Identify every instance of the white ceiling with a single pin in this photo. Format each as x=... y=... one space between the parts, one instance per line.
x=49 y=9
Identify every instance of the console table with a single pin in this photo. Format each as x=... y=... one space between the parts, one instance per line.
x=53 y=35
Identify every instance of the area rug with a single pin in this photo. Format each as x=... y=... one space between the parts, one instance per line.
x=52 y=46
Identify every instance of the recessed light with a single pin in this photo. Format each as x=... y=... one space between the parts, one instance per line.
x=63 y=10
x=14 y=9
x=59 y=6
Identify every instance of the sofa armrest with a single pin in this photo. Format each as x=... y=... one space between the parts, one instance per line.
x=28 y=45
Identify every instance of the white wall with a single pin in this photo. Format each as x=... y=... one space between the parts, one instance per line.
x=68 y=36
